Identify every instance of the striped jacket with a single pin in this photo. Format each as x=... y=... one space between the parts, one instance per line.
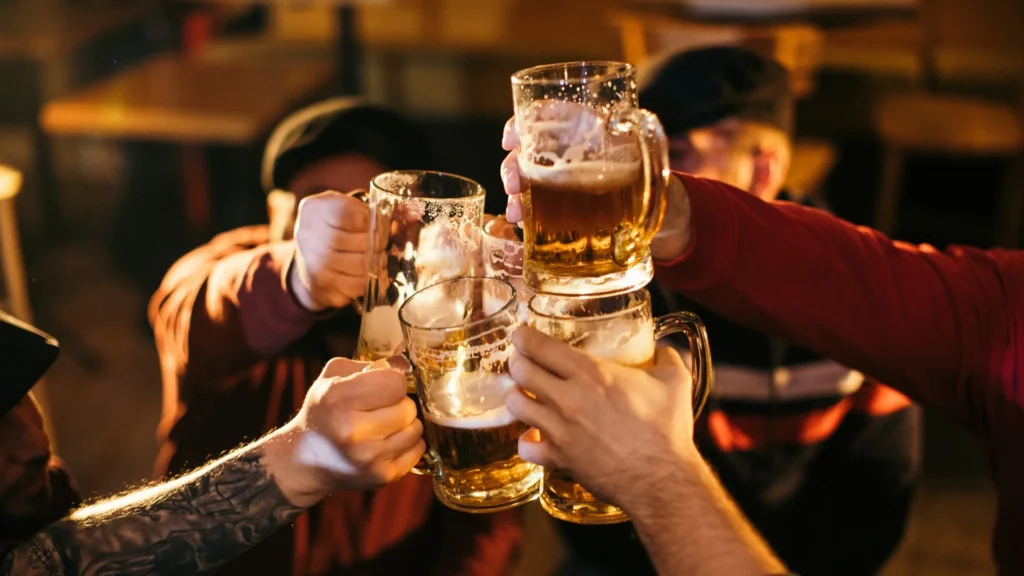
x=821 y=460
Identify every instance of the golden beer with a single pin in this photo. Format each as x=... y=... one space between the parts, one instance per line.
x=479 y=455
x=572 y=215
x=594 y=175
x=621 y=329
x=458 y=334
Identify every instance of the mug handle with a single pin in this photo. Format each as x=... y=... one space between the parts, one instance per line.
x=427 y=466
x=700 y=352
x=631 y=240
x=364 y=196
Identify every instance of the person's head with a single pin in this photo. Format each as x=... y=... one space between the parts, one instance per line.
x=25 y=490
x=727 y=112
x=338 y=144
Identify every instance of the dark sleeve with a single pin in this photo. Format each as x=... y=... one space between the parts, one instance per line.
x=862 y=502
x=477 y=544
x=225 y=306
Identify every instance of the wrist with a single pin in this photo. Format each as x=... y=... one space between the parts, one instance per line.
x=675 y=481
x=674 y=236
x=297 y=289
x=303 y=485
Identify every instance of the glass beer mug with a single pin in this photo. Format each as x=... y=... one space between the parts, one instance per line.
x=424 y=229
x=458 y=338
x=503 y=257
x=621 y=329
x=594 y=175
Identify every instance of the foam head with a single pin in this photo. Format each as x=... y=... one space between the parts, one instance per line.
x=626 y=341
x=469 y=399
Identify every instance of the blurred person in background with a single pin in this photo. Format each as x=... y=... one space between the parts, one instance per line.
x=206 y=517
x=822 y=461
x=943 y=327
x=243 y=320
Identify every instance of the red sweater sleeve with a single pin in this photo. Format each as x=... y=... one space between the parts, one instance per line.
x=942 y=327
x=225 y=306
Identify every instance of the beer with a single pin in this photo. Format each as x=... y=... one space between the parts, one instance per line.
x=628 y=342
x=479 y=454
x=572 y=214
x=474 y=441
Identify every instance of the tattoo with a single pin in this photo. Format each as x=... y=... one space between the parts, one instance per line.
x=189 y=525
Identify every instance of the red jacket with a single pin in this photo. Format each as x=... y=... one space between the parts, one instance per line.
x=944 y=328
x=237 y=355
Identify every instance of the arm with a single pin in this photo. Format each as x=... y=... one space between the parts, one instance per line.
x=936 y=326
x=226 y=305
x=194 y=523
x=690 y=526
x=357 y=430
x=627 y=435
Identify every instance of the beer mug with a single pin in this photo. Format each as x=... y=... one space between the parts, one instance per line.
x=458 y=338
x=427 y=227
x=594 y=175
x=503 y=257
x=621 y=329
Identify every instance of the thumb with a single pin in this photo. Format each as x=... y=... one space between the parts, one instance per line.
x=670 y=368
x=342 y=368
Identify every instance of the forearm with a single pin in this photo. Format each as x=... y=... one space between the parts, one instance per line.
x=919 y=319
x=188 y=525
x=216 y=314
x=691 y=527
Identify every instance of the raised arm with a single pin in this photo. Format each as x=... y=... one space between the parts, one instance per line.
x=934 y=325
x=357 y=430
x=241 y=298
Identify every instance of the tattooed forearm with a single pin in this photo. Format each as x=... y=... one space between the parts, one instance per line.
x=189 y=525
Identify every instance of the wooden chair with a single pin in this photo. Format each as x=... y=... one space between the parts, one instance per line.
x=926 y=123
x=798 y=47
x=16 y=298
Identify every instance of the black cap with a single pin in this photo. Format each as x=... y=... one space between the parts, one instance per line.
x=341 y=126
x=26 y=354
x=700 y=87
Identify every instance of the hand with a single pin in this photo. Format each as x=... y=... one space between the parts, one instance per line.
x=672 y=239
x=332 y=234
x=617 y=430
x=357 y=430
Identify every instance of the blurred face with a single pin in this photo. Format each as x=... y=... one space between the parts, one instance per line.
x=734 y=152
x=25 y=489
x=343 y=173
x=711 y=152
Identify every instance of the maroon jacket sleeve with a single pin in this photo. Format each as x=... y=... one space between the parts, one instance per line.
x=225 y=306
x=494 y=539
x=942 y=327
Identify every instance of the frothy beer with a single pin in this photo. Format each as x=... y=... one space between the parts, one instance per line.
x=475 y=442
x=626 y=341
x=572 y=212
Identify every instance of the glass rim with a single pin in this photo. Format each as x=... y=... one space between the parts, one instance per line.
x=512 y=301
x=479 y=190
x=639 y=303
x=613 y=68
x=498 y=239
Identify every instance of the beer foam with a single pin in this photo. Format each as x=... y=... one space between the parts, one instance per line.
x=469 y=399
x=381 y=331
x=622 y=340
x=499 y=416
x=582 y=174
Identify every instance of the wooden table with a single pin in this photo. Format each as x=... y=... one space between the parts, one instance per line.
x=41 y=30
x=193 y=102
x=175 y=99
